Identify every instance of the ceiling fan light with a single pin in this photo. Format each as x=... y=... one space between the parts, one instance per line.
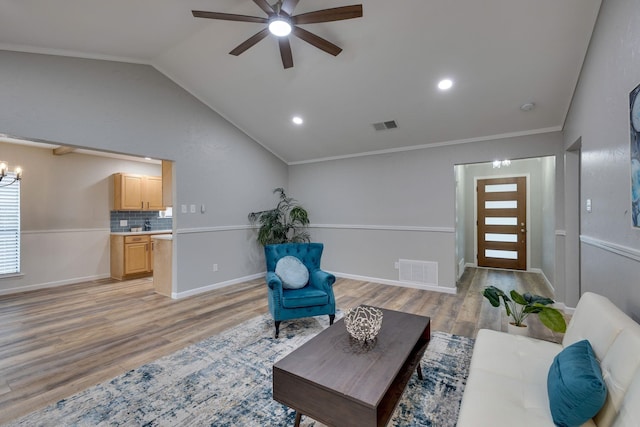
x=280 y=27
x=445 y=84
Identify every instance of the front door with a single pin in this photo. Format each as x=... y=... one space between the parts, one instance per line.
x=502 y=223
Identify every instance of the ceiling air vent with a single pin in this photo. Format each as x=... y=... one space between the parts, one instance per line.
x=391 y=124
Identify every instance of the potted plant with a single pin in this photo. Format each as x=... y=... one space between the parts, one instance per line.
x=519 y=307
x=287 y=222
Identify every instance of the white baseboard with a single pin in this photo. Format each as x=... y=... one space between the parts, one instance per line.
x=214 y=286
x=546 y=281
x=396 y=283
x=461 y=267
x=564 y=308
x=54 y=284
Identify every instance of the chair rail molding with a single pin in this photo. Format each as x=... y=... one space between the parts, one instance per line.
x=385 y=227
x=621 y=250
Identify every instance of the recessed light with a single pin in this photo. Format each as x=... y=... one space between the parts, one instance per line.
x=297 y=120
x=445 y=84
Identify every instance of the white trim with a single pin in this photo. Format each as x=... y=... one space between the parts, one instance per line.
x=546 y=280
x=562 y=233
x=68 y=230
x=624 y=251
x=461 y=268
x=442 y=289
x=197 y=291
x=11 y=275
x=386 y=227
x=328 y=226
x=435 y=144
x=54 y=284
x=70 y=53
x=214 y=229
x=562 y=306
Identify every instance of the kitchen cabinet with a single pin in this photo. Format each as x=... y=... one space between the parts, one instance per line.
x=136 y=255
x=132 y=255
x=162 y=267
x=137 y=192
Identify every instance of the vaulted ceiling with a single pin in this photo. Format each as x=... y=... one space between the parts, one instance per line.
x=500 y=54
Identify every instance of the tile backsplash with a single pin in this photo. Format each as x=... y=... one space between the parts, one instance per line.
x=137 y=218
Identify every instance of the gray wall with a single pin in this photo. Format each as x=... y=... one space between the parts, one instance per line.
x=376 y=209
x=599 y=117
x=131 y=108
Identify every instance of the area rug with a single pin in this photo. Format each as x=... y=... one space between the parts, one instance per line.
x=225 y=380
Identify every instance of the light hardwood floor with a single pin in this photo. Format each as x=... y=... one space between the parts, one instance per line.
x=56 y=342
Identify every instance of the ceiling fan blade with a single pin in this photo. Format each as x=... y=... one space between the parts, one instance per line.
x=250 y=42
x=262 y=4
x=228 y=16
x=328 y=15
x=288 y=6
x=285 y=52
x=316 y=41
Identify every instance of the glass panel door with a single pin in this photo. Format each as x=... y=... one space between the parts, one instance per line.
x=502 y=231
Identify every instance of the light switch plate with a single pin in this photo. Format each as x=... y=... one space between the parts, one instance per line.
x=192 y=208
x=183 y=208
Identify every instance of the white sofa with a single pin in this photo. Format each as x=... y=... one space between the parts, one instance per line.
x=507 y=383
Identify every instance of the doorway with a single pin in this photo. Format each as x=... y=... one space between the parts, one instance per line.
x=502 y=222
x=540 y=222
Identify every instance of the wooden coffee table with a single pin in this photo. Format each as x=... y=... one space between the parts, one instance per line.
x=336 y=380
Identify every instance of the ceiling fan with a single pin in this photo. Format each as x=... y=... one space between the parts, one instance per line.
x=281 y=23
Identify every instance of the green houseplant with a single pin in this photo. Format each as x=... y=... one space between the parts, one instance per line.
x=285 y=223
x=519 y=307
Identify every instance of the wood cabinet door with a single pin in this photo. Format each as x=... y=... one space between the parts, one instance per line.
x=131 y=192
x=136 y=257
x=153 y=194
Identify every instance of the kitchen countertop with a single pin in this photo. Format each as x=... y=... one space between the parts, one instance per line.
x=163 y=237
x=136 y=233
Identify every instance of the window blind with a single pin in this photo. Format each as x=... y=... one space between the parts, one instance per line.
x=9 y=226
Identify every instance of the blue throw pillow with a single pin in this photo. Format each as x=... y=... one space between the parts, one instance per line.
x=292 y=272
x=575 y=385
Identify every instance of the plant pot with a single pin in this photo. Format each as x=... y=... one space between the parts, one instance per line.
x=518 y=330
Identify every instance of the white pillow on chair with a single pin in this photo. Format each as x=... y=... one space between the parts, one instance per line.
x=292 y=272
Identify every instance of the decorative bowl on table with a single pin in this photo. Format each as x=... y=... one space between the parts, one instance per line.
x=363 y=322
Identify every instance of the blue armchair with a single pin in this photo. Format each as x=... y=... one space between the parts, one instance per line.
x=315 y=299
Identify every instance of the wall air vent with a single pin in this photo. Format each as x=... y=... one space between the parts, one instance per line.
x=391 y=124
x=418 y=272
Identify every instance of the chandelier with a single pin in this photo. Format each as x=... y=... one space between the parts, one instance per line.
x=14 y=176
x=497 y=164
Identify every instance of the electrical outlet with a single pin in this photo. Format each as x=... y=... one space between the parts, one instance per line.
x=192 y=208
x=396 y=265
x=215 y=267
x=124 y=223
x=183 y=208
